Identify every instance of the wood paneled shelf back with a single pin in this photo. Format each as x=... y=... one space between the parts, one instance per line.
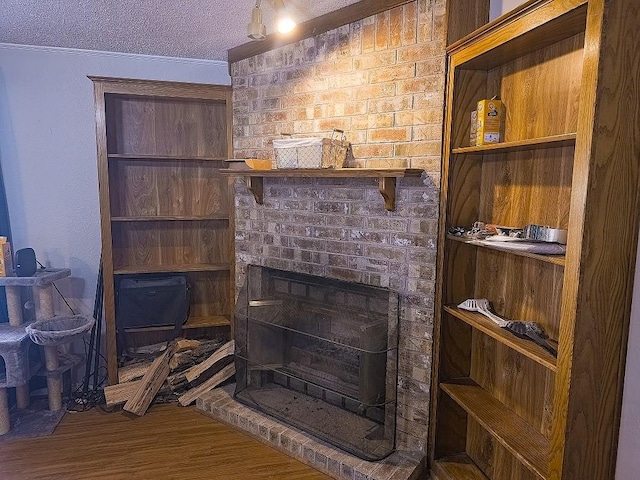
x=386 y=178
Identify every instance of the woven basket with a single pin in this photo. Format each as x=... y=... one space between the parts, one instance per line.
x=59 y=330
x=311 y=152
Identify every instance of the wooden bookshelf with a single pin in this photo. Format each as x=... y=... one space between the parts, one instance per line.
x=502 y=407
x=165 y=206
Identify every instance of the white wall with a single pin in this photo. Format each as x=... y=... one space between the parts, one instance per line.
x=628 y=467
x=48 y=150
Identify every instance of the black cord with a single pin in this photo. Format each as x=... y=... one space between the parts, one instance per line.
x=83 y=399
x=57 y=289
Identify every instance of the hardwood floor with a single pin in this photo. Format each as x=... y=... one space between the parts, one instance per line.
x=169 y=442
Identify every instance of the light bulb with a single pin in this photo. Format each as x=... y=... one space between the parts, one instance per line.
x=284 y=21
x=285 y=24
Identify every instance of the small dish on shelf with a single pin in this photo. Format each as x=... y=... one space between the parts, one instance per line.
x=258 y=163
x=249 y=164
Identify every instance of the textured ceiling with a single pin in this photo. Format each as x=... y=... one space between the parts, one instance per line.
x=177 y=28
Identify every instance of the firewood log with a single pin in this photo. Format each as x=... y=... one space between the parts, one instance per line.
x=151 y=383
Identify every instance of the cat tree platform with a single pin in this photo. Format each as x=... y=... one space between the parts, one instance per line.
x=14 y=339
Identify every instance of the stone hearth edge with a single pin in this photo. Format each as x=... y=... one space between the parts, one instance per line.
x=220 y=405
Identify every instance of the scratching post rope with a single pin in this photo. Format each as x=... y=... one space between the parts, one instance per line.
x=54 y=383
x=14 y=305
x=5 y=425
x=45 y=298
x=22 y=396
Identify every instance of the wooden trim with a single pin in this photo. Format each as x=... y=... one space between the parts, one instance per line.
x=315 y=26
x=487 y=48
x=599 y=292
x=105 y=221
x=153 y=88
x=506 y=20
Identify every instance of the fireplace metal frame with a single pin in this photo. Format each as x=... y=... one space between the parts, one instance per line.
x=320 y=354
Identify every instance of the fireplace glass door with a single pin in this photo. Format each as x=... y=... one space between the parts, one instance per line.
x=321 y=355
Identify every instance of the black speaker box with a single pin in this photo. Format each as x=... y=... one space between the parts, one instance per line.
x=151 y=302
x=25 y=262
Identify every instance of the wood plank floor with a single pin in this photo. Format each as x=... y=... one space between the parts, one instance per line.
x=169 y=442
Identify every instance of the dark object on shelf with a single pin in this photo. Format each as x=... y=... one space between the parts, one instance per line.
x=152 y=302
x=531 y=331
x=478 y=230
x=25 y=262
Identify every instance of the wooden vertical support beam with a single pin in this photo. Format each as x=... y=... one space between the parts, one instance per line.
x=387 y=187
x=256 y=187
x=45 y=301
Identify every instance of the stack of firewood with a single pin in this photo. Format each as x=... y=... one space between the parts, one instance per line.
x=178 y=371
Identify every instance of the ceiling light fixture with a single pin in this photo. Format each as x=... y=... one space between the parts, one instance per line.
x=284 y=20
x=256 y=30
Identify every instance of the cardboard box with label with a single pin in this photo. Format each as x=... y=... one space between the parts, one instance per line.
x=490 y=122
x=6 y=259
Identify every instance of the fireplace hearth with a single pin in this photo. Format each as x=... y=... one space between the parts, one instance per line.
x=321 y=355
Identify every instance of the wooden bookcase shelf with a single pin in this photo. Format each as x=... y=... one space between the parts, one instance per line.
x=386 y=178
x=555 y=259
x=514 y=433
x=191 y=323
x=486 y=326
x=183 y=158
x=183 y=267
x=501 y=406
x=563 y=140
x=165 y=206
x=456 y=467
x=166 y=218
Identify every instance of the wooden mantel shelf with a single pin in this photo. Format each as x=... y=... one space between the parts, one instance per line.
x=386 y=178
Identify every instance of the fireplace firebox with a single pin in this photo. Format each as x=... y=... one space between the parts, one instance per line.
x=320 y=354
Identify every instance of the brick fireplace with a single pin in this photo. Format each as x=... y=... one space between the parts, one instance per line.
x=381 y=80
x=339 y=229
